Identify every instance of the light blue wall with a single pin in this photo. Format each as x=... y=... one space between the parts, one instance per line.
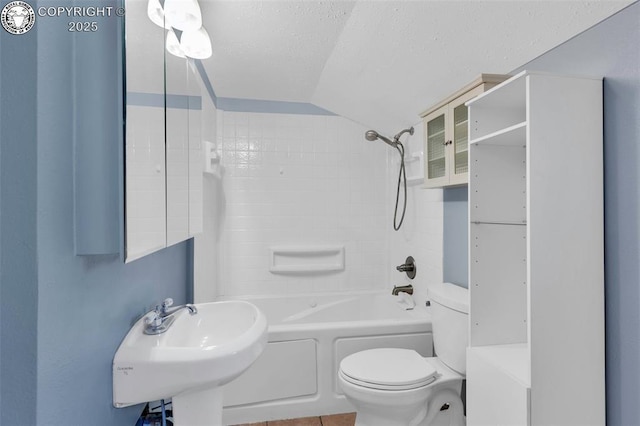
x=1 y=258
x=18 y=262
x=455 y=268
x=611 y=49
x=67 y=314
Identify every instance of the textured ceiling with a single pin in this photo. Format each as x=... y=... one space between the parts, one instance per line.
x=380 y=62
x=273 y=50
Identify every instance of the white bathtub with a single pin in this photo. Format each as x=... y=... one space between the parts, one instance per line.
x=308 y=337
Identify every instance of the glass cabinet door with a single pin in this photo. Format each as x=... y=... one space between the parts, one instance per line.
x=436 y=170
x=460 y=139
x=459 y=146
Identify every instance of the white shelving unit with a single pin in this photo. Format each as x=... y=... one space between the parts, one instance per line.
x=536 y=253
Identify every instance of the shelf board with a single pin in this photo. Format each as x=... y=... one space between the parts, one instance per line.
x=512 y=359
x=515 y=135
x=433 y=135
x=487 y=222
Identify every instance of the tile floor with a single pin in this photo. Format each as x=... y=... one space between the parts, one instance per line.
x=347 y=419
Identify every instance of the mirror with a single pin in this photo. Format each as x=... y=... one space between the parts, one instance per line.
x=177 y=144
x=145 y=184
x=163 y=148
x=183 y=149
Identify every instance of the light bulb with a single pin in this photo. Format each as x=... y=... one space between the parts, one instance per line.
x=173 y=45
x=196 y=44
x=183 y=15
x=156 y=14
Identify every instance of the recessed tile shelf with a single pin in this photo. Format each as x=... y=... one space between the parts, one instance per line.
x=292 y=259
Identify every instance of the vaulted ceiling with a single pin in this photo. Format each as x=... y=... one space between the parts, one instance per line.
x=380 y=63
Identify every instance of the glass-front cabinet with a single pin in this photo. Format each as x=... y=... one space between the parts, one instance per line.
x=446 y=135
x=436 y=169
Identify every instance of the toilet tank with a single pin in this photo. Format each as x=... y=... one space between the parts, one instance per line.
x=450 y=314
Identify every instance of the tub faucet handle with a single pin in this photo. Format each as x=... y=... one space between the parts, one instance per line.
x=409 y=266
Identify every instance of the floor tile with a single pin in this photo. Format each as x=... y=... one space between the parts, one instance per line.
x=305 y=421
x=253 y=424
x=347 y=419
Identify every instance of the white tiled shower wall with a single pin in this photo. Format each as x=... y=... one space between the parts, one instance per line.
x=421 y=233
x=300 y=180
x=311 y=180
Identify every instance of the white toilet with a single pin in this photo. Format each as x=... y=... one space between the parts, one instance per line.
x=398 y=387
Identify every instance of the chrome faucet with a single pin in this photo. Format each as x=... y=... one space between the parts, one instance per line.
x=402 y=289
x=160 y=319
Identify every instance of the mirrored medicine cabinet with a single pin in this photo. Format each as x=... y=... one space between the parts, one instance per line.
x=163 y=144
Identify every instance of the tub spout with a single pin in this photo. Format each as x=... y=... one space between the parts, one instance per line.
x=402 y=288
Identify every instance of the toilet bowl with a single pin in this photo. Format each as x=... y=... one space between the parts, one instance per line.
x=399 y=387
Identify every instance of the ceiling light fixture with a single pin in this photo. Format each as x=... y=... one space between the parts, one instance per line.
x=173 y=45
x=183 y=15
x=186 y=17
x=156 y=14
x=196 y=44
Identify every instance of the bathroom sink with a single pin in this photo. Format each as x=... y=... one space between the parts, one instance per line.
x=198 y=352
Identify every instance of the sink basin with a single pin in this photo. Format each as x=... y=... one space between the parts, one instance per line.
x=198 y=352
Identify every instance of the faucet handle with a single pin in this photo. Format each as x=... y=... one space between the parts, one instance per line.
x=166 y=304
x=409 y=266
x=153 y=318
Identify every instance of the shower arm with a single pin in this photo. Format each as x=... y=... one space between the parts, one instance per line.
x=396 y=138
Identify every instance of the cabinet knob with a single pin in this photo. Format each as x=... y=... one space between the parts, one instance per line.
x=445 y=143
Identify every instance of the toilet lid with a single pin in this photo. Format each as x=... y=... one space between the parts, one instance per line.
x=388 y=368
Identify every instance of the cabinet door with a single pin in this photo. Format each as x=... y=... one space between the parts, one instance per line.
x=144 y=155
x=177 y=148
x=458 y=149
x=196 y=162
x=435 y=126
x=494 y=397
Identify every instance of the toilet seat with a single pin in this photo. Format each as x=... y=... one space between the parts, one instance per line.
x=387 y=369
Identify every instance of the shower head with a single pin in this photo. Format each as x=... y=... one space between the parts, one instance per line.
x=372 y=135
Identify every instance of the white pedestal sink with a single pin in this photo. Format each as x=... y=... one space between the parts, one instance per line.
x=190 y=361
